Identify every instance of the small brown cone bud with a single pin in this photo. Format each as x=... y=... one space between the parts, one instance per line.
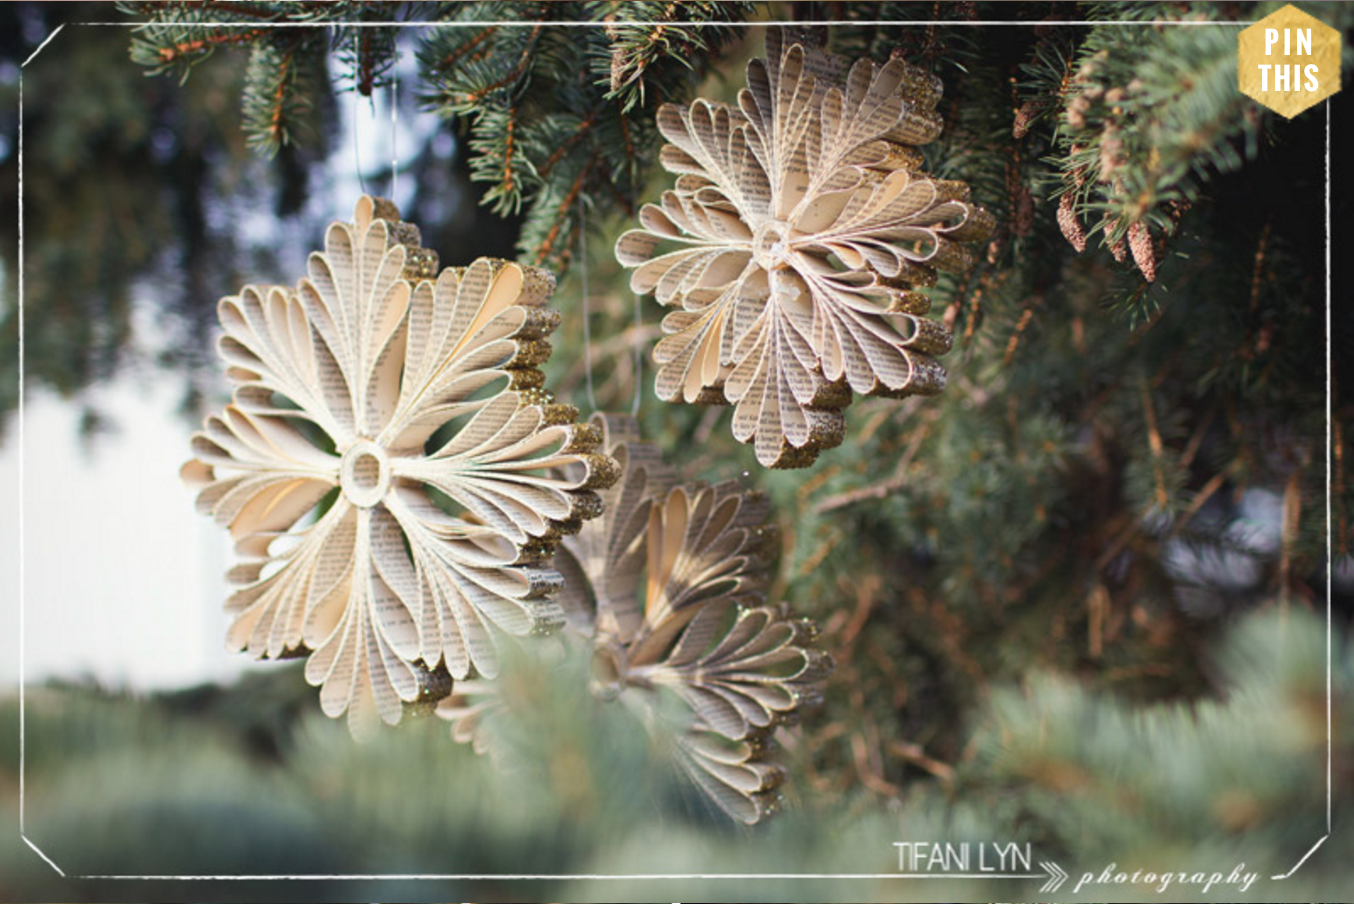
x=1023 y=117
x=1076 y=112
x=1110 y=155
x=1070 y=224
x=1144 y=255
x=1117 y=247
x=1078 y=174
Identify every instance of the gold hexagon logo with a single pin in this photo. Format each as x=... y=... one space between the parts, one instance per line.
x=1288 y=61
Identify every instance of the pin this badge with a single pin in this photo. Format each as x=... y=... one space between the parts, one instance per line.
x=1288 y=61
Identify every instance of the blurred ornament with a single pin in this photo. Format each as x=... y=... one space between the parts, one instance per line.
x=667 y=588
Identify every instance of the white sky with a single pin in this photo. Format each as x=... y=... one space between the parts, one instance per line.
x=124 y=581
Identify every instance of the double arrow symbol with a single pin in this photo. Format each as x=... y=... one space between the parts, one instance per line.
x=1056 y=876
x=1053 y=874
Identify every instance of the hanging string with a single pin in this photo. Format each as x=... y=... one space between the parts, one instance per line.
x=357 y=65
x=394 y=117
x=639 y=314
x=639 y=356
x=587 y=326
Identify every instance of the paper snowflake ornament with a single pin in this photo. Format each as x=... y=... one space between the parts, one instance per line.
x=389 y=467
x=667 y=588
x=792 y=244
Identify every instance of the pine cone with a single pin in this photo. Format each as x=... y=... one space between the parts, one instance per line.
x=1070 y=223
x=1144 y=255
x=1117 y=247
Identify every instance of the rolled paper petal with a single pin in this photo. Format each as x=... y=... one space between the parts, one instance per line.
x=796 y=223
x=394 y=474
x=667 y=590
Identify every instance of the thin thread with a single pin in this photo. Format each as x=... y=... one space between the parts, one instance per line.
x=633 y=166
x=394 y=116
x=639 y=356
x=587 y=327
x=357 y=63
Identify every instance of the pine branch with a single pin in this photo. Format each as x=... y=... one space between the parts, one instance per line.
x=174 y=53
x=546 y=247
x=277 y=98
x=647 y=50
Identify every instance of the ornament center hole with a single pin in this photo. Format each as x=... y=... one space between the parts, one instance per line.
x=771 y=245
x=365 y=473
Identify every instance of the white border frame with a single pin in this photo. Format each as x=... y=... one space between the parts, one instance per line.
x=1051 y=870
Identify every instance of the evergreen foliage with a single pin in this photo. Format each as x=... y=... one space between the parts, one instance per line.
x=1024 y=579
x=550 y=113
x=1082 y=776
x=120 y=177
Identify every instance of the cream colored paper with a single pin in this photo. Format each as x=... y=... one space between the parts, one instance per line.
x=791 y=245
x=667 y=589
x=388 y=554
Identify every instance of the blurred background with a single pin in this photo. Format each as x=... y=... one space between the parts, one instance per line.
x=1077 y=601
